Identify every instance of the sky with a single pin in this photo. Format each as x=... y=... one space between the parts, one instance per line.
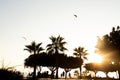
x=39 y=19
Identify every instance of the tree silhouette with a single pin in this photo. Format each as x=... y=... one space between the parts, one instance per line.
x=81 y=53
x=48 y=60
x=56 y=47
x=35 y=49
x=109 y=46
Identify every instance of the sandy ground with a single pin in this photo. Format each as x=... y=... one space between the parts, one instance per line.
x=75 y=79
x=60 y=79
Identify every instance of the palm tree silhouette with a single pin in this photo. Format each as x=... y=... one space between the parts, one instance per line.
x=56 y=47
x=34 y=49
x=81 y=53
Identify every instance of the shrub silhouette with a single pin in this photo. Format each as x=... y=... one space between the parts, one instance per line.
x=6 y=74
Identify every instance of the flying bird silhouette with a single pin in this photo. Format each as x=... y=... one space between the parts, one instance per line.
x=75 y=15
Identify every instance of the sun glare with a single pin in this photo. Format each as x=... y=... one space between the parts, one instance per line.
x=95 y=58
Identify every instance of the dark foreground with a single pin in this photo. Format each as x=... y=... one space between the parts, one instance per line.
x=77 y=79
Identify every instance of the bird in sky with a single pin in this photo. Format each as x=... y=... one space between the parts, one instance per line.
x=75 y=15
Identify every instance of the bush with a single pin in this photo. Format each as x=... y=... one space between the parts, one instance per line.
x=6 y=74
x=43 y=75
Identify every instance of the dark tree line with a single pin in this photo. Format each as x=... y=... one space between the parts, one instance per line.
x=49 y=60
x=54 y=56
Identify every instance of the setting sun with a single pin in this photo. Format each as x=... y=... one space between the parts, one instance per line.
x=95 y=58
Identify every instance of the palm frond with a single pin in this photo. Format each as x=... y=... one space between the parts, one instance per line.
x=28 y=50
x=63 y=43
x=75 y=49
x=49 y=45
x=51 y=51
x=48 y=48
x=52 y=39
x=33 y=44
x=58 y=38
x=30 y=47
x=80 y=52
x=34 y=47
x=75 y=53
x=38 y=45
x=85 y=58
x=57 y=44
x=85 y=53
x=40 y=49
x=63 y=49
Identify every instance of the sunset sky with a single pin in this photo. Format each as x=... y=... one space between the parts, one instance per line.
x=39 y=19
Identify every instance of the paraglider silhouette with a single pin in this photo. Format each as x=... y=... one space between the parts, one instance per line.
x=24 y=38
x=75 y=15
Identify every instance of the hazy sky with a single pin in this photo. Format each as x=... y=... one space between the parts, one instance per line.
x=39 y=19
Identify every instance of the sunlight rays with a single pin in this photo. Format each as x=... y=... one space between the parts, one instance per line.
x=95 y=58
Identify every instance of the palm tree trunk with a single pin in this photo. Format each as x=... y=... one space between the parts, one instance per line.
x=106 y=74
x=34 y=72
x=80 y=69
x=57 y=72
x=52 y=74
x=56 y=67
x=56 y=52
x=66 y=75
x=80 y=72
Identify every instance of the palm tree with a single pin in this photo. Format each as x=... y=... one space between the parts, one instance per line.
x=34 y=49
x=56 y=47
x=81 y=53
